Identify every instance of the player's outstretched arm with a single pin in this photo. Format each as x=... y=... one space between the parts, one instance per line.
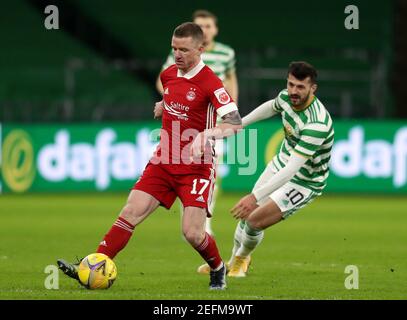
x=263 y=111
x=294 y=164
x=231 y=124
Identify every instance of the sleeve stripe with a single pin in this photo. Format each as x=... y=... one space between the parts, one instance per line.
x=277 y=106
x=301 y=153
x=307 y=151
x=321 y=152
x=312 y=140
x=330 y=138
x=309 y=146
x=314 y=133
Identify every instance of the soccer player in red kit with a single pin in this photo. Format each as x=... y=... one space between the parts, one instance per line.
x=182 y=165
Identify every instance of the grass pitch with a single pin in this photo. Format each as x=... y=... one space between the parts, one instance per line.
x=302 y=258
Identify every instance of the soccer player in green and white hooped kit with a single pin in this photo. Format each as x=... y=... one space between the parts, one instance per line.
x=220 y=58
x=296 y=175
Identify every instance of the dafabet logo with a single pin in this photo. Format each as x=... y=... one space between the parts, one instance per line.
x=62 y=160
x=76 y=158
x=18 y=165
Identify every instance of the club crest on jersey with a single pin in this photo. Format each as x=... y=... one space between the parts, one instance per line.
x=191 y=95
x=288 y=131
x=222 y=96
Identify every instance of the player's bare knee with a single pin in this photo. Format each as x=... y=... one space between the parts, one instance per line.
x=194 y=237
x=132 y=214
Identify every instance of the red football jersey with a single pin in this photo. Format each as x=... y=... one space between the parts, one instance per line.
x=189 y=103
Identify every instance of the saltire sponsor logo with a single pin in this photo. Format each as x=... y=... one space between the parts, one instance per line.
x=171 y=110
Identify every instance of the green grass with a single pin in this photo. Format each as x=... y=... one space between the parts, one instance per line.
x=302 y=258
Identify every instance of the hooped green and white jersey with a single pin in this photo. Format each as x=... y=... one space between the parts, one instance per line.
x=220 y=59
x=310 y=133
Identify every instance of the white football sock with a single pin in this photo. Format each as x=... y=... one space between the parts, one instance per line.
x=237 y=240
x=250 y=239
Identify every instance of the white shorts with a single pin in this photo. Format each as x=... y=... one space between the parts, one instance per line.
x=290 y=197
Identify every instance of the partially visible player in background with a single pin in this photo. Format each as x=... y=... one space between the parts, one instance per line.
x=296 y=175
x=221 y=59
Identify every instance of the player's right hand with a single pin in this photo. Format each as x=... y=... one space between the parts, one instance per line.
x=244 y=207
x=158 y=110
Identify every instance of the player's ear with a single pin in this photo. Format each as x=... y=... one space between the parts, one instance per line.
x=314 y=87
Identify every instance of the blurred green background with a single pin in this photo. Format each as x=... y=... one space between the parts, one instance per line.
x=102 y=63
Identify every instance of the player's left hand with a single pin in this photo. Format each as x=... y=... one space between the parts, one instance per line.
x=244 y=207
x=158 y=109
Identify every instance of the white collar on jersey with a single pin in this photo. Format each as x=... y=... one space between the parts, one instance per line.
x=193 y=72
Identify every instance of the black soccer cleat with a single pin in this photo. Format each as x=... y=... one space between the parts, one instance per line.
x=218 y=279
x=70 y=269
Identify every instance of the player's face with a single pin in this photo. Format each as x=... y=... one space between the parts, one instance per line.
x=187 y=52
x=299 y=91
x=208 y=27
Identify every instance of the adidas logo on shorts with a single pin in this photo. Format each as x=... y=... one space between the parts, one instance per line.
x=200 y=199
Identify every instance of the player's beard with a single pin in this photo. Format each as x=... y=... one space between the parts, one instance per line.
x=300 y=101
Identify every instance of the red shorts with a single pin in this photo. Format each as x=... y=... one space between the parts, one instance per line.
x=194 y=188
